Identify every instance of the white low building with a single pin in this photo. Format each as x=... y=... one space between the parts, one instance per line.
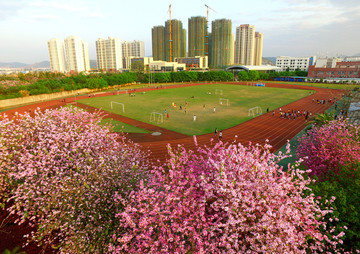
x=194 y=63
x=166 y=66
x=327 y=62
x=294 y=63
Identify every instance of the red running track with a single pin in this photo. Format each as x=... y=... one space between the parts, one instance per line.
x=265 y=127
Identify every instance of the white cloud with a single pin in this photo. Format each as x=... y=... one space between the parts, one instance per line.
x=95 y=15
x=10 y=9
x=43 y=17
x=80 y=7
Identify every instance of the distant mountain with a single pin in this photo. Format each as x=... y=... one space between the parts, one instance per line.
x=43 y=64
x=12 y=65
x=40 y=65
x=269 y=60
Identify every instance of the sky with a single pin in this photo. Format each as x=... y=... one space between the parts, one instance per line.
x=290 y=27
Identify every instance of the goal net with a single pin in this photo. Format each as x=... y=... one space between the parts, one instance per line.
x=156 y=117
x=219 y=91
x=255 y=111
x=223 y=101
x=118 y=103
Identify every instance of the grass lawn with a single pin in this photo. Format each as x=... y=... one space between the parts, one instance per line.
x=117 y=125
x=122 y=127
x=241 y=98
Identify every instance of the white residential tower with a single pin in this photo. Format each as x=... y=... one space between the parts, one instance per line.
x=248 y=45
x=57 y=55
x=109 y=54
x=77 y=54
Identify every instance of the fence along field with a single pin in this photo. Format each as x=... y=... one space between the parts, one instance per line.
x=199 y=101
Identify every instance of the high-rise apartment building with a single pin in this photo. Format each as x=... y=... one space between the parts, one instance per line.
x=77 y=54
x=72 y=54
x=245 y=44
x=126 y=48
x=57 y=55
x=178 y=40
x=197 y=32
x=221 y=43
x=232 y=49
x=109 y=54
x=133 y=49
x=138 y=49
x=258 y=48
x=248 y=45
x=158 y=42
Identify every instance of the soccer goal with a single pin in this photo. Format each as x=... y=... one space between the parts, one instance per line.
x=119 y=103
x=219 y=91
x=156 y=117
x=223 y=101
x=255 y=111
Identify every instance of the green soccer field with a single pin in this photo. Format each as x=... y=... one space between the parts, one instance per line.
x=199 y=101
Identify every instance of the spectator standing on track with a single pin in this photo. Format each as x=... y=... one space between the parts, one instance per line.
x=215 y=132
x=220 y=135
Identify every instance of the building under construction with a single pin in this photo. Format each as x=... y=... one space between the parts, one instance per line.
x=178 y=40
x=158 y=42
x=197 y=31
x=221 y=44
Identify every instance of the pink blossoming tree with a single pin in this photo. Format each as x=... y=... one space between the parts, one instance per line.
x=61 y=171
x=327 y=148
x=226 y=199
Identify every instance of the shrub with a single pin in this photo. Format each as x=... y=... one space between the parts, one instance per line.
x=62 y=170
x=329 y=147
x=345 y=186
x=223 y=199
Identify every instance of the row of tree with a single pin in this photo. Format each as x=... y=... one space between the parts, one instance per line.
x=58 y=83
x=44 y=83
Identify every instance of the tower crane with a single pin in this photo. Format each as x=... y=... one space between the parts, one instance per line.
x=207 y=28
x=170 y=41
